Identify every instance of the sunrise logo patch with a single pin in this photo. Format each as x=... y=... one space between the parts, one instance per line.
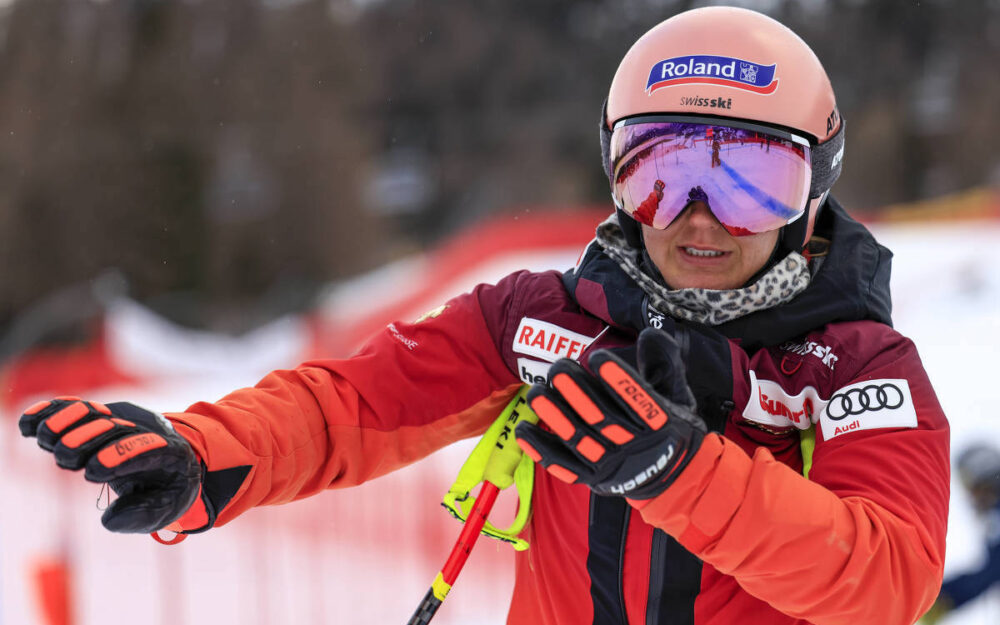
x=704 y=69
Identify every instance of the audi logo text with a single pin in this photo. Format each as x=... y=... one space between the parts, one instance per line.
x=865 y=399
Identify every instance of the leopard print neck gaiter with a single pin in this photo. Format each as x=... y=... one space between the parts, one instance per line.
x=786 y=279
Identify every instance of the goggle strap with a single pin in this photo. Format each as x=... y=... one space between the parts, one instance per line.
x=827 y=159
x=605 y=140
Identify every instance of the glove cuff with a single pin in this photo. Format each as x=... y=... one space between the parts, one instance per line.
x=195 y=519
x=219 y=485
x=700 y=503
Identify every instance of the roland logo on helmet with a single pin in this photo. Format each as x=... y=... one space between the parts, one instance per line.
x=726 y=71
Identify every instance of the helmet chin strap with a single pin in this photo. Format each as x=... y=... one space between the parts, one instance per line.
x=792 y=238
x=777 y=254
x=632 y=230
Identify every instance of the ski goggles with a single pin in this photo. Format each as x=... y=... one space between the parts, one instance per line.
x=753 y=178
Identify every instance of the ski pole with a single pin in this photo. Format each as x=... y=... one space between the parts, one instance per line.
x=459 y=554
x=498 y=474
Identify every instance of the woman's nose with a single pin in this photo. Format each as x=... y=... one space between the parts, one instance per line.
x=699 y=214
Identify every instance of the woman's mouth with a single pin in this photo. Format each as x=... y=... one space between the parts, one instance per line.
x=693 y=251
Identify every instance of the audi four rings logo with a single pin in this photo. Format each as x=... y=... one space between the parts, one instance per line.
x=868 y=398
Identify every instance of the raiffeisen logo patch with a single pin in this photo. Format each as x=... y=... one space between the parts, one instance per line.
x=713 y=70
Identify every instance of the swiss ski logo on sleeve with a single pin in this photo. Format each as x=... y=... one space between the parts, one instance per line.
x=548 y=341
x=869 y=405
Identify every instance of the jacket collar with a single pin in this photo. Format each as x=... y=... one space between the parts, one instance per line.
x=850 y=283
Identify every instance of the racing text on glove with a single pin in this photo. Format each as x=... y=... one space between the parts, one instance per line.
x=154 y=471
x=619 y=431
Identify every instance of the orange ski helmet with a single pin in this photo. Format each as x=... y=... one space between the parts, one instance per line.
x=731 y=63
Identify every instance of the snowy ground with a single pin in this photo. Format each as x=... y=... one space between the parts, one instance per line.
x=368 y=555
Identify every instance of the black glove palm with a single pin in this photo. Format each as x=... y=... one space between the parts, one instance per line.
x=153 y=470
x=619 y=431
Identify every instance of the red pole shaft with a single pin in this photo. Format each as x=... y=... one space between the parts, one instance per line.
x=470 y=532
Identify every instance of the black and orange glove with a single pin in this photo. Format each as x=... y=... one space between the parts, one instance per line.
x=619 y=431
x=151 y=468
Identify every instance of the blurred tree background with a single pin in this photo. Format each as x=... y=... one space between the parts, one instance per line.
x=228 y=157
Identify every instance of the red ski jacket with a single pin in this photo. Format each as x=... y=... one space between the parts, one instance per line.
x=820 y=497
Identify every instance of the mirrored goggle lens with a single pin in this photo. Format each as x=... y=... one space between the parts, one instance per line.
x=752 y=180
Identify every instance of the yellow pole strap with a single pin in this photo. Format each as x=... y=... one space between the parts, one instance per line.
x=498 y=459
x=807 y=443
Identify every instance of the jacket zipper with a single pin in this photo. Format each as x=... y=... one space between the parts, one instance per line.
x=621 y=563
x=657 y=566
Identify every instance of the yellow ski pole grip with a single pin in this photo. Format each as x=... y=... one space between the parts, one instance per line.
x=506 y=454
x=498 y=450
x=502 y=461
